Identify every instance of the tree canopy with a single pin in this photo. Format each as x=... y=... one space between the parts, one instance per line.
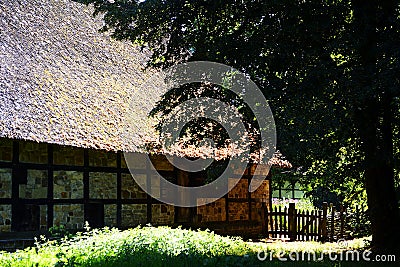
x=328 y=68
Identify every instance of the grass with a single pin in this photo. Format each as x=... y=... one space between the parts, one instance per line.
x=163 y=246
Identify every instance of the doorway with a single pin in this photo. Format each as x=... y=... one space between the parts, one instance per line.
x=94 y=214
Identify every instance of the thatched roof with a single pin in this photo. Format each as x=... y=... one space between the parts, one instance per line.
x=63 y=82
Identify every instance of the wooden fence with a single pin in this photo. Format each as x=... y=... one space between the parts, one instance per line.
x=323 y=225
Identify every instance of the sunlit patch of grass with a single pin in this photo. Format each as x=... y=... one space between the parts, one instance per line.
x=313 y=246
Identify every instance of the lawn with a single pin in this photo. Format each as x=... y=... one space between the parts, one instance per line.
x=165 y=246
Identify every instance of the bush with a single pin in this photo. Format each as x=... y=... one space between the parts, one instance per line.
x=161 y=246
x=156 y=246
x=321 y=194
x=59 y=232
x=358 y=221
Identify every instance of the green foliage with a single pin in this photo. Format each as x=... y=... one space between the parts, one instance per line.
x=59 y=232
x=201 y=128
x=358 y=221
x=328 y=68
x=304 y=55
x=321 y=195
x=304 y=204
x=151 y=246
x=341 y=175
x=160 y=246
x=215 y=170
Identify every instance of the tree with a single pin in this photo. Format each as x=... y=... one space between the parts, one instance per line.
x=328 y=68
x=375 y=109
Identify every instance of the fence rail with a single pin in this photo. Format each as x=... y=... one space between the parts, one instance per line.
x=292 y=224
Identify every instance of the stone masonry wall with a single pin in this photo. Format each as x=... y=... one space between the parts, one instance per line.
x=136 y=161
x=161 y=163
x=110 y=215
x=36 y=186
x=69 y=215
x=256 y=209
x=238 y=211
x=68 y=185
x=162 y=214
x=5 y=150
x=43 y=217
x=129 y=188
x=5 y=183
x=5 y=218
x=102 y=185
x=262 y=192
x=133 y=214
x=155 y=186
x=240 y=190
x=260 y=195
x=99 y=158
x=32 y=152
x=212 y=212
x=65 y=155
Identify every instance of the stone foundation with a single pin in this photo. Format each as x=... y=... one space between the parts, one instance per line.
x=43 y=217
x=110 y=215
x=212 y=212
x=238 y=211
x=162 y=214
x=133 y=214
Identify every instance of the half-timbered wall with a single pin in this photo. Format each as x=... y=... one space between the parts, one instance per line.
x=42 y=185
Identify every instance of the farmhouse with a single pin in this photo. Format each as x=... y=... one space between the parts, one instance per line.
x=65 y=90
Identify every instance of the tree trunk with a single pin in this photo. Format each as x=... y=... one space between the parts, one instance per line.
x=379 y=180
x=374 y=123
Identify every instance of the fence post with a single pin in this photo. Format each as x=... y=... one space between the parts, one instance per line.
x=292 y=222
x=342 y=209
x=264 y=224
x=324 y=231
x=333 y=210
